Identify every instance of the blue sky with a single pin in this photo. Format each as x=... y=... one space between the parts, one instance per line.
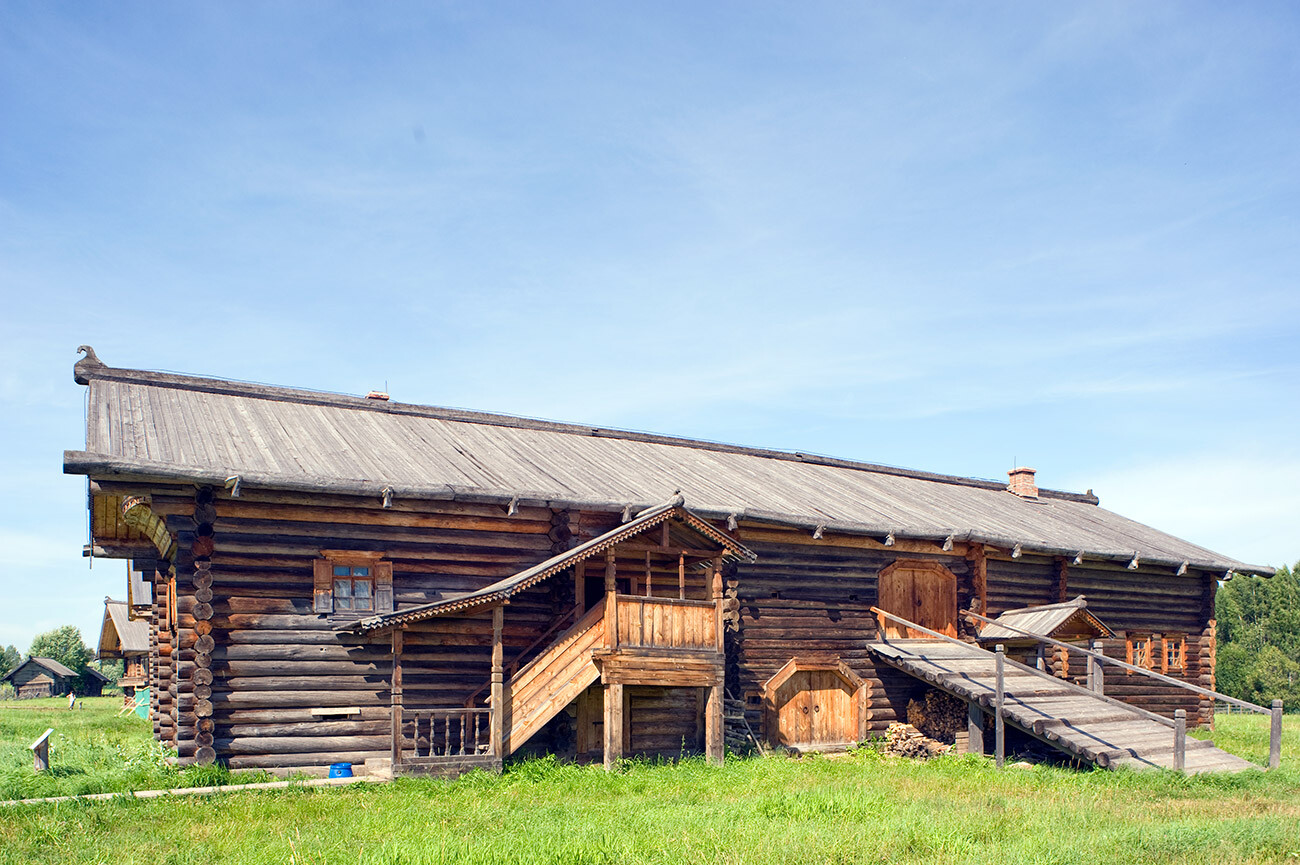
x=945 y=236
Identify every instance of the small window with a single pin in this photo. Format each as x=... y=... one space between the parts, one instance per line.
x=1142 y=651
x=1175 y=653
x=353 y=584
x=354 y=588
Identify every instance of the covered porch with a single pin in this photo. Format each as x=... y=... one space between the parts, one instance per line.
x=644 y=618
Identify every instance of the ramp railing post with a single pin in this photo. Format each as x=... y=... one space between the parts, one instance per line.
x=974 y=728
x=1096 y=678
x=1180 y=739
x=999 y=743
x=1275 y=737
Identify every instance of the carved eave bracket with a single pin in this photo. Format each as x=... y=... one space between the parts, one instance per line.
x=137 y=514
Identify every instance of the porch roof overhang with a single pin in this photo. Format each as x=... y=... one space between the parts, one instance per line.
x=501 y=591
x=1047 y=620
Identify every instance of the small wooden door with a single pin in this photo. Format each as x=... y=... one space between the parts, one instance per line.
x=922 y=593
x=815 y=709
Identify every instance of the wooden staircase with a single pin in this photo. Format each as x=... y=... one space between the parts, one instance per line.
x=554 y=678
x=1082 y=723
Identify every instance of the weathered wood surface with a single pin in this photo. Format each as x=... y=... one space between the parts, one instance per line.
x=1082 y=724
x=555 y=678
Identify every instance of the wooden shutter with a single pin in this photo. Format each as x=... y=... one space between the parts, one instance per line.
x=383 y=587
x=323 y=571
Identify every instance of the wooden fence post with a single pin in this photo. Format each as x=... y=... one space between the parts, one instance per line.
x=1180 y=740
x=999 y=732
x=41 y=751
x=1275 y=737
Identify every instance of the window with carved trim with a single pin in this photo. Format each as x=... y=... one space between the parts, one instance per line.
x=1174 y=655
x=350 y=583
x=1143 y=650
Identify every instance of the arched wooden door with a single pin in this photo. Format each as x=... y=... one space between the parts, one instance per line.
x=814 y=707
x=921 y=592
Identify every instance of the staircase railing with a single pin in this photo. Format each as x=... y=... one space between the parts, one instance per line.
x=1275 y=712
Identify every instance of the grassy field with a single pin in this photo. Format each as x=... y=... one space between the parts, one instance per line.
x=92 y=751
x=860 y=808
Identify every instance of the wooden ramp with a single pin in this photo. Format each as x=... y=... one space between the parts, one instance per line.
x=1081 y=723
x=554 y=678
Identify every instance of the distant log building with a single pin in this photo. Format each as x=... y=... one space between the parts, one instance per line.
x=331 y=578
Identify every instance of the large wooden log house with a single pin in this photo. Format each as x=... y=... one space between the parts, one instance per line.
x=349 y=579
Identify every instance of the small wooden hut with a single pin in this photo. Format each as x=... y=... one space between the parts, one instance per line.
x=46 y=677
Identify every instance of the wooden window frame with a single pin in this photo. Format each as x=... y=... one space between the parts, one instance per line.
x=1140 y=651
x=381 y=580
x=1178 y=644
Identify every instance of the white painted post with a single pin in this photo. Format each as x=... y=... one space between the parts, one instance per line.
x=41 y=751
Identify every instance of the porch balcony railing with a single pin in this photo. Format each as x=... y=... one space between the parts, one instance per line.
x=648 y=622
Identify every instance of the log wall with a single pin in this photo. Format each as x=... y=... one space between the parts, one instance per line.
x=812 y=599
x=272 y=659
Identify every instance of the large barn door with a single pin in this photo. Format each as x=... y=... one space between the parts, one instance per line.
x=921 y=592
x=814 y=707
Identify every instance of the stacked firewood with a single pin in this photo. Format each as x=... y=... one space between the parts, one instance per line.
x=904 y=740
x=938 y=715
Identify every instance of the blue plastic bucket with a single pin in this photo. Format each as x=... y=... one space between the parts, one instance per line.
x=340 y=770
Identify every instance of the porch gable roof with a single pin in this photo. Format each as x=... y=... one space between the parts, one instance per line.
x=501 y=591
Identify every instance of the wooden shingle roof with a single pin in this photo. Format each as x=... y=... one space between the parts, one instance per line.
x=120 y=634
x=202 y=430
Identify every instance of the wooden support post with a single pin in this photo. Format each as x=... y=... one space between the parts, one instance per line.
x=499 y=743
x=1180 y=740
x=713 y=726
x=974 y=729
x=580 y=587
x=717 y=604
x=681 y=577
x=1096 y=676
x=1275 y=736
x=613 y=725
x=999 y=732
x=396 y=698
x=649 y=576
x=611 y=602
x=979 y=575
x=41 y=751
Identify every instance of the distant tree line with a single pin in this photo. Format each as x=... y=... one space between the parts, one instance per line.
x=1259 y=638
x=64 y=645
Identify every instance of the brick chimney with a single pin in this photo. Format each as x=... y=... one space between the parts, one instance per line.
x=1022 y=483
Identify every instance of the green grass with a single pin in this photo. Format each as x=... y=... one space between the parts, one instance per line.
x=860 y=808
x=91 y=751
